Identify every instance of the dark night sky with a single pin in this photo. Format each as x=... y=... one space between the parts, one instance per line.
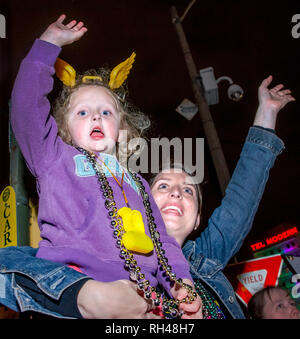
x=244 y=40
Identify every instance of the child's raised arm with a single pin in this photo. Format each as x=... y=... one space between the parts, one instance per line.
x=34 y=127
x=271 y=101
x=59 y=34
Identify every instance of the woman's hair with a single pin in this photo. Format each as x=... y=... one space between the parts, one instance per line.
x=176 y=166
x=257 y=302
x=131 y=118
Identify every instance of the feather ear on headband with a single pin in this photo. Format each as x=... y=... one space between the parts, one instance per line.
x=67 y=74
x=120 y=73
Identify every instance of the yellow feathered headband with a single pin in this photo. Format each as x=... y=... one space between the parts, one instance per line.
x=67 y=74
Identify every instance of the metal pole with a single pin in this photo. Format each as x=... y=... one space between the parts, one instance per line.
x=207 y=121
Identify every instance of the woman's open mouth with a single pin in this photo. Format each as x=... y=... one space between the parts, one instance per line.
x=172 y=209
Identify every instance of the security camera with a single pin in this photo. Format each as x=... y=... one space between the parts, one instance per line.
x=235 y=92
x=210 y=86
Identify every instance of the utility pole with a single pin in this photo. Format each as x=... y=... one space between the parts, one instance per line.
x=205 y=115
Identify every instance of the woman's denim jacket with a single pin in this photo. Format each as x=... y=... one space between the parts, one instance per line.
x=208 y=254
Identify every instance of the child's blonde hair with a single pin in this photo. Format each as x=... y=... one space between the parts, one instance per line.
x=132 y=119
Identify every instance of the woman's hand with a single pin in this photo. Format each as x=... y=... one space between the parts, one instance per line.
x=271 y=101
x=59 y=34
x=113 y=300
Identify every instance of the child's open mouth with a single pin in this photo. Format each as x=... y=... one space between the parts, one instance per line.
x=96 y=134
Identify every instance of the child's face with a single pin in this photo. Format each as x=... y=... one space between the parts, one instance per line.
x=93 y=119
x=280 y=306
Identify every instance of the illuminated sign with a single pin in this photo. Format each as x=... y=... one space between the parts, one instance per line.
x=250 y=276
x=274 y=239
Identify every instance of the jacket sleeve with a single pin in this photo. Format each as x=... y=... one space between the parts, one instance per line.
x=232 y=220
x=35 y=129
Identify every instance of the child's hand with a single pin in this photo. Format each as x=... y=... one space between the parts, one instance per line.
x=59 y=34
x=192 y=310
x=271 y=101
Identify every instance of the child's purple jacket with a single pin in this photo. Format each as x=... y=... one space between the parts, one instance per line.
x=74 y=223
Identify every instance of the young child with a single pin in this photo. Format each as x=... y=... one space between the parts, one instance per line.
x=82 y=187
x=273 y=303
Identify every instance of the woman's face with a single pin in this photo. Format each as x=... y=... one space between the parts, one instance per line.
x=176 y=197
x=279 y=305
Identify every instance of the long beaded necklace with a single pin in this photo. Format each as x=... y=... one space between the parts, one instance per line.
x=170 y=307
x=210 y=308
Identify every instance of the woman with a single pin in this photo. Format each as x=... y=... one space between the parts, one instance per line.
x=208 y=254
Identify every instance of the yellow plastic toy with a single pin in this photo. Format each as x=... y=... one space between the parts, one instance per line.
x=135 y=239
x=67 y=74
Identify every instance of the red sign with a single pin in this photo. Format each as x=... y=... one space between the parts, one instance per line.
x=274 y=239
x=250 y=276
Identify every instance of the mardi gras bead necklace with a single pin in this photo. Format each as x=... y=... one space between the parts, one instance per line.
x=211 y=309
x=170 y=307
